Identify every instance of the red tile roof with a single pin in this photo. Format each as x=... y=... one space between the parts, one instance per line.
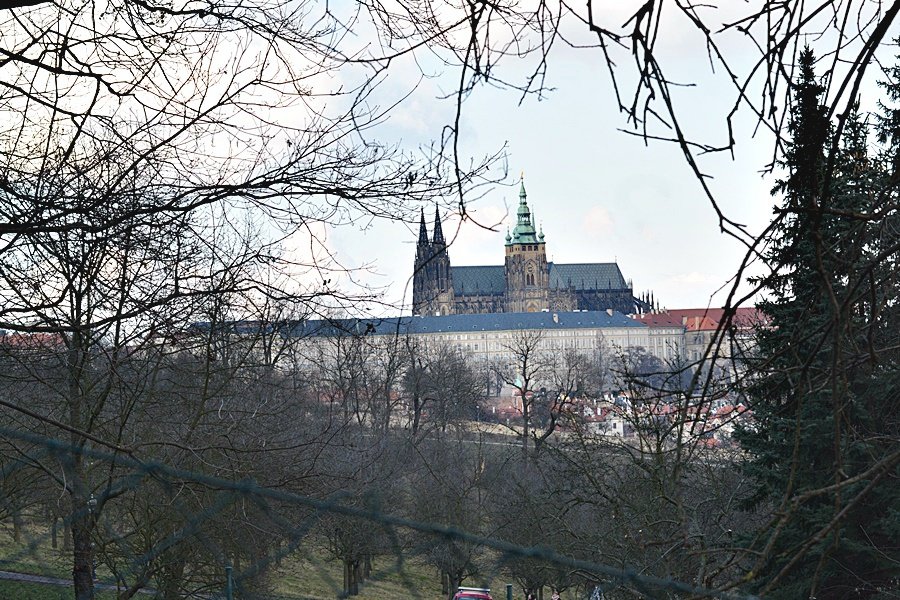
x=708 y=319
x=32 y=341
x=659 y=320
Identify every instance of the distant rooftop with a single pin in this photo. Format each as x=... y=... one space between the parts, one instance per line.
x=491 y=279
x=707 y=319
x=469 y=323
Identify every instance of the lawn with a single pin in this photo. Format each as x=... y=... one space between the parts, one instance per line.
x=298 y=575
x=323 y=579
x=301 y=575
x=20 y=590
x=33 y=554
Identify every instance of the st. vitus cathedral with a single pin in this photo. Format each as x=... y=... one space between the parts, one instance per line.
x=527 y=282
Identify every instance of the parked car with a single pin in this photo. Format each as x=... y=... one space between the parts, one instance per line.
x=472 y=593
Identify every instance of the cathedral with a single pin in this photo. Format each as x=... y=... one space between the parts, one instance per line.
x=526 y=282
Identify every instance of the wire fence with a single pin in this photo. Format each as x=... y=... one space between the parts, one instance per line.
x=157 y=530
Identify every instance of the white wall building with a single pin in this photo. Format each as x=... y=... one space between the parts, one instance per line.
x=488 y=337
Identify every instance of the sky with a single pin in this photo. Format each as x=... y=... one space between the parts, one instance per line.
x=600 y=194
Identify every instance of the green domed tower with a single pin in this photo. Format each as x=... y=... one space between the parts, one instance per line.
x=526 y=268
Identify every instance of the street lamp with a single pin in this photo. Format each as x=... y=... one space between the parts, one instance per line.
x=92 y=514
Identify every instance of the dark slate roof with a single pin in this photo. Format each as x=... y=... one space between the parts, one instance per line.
x=473 y=281
x=465 y=323
x=513 y=321
x=587 y=276
x=491 y=279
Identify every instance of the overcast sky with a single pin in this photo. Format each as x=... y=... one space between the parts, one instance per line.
x=600 y=194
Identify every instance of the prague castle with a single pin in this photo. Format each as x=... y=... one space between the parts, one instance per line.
x=526 y=282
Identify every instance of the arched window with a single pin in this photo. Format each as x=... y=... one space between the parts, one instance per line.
x=529 y=279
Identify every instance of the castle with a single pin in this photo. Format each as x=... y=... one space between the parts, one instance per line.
x=526 y=282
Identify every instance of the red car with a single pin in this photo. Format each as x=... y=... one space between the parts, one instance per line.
x=471 y=593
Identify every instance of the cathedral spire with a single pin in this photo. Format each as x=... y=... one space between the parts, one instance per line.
x=423 y=232
x=524 y=231
x=438 y=231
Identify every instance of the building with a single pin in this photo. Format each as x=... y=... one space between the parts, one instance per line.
x=526 y=282
x=490 y=337
x=723 y=339
x=660 y=335
x=703 y=326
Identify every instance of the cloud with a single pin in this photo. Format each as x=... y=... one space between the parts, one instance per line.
x=691 y=278
x=476 y=243
x=597 y=221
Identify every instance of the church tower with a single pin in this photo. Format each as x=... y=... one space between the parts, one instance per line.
x=432 y=281
x=420 y=268
x=526 y=269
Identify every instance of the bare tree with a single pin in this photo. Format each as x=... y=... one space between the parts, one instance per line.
x=525 y=368
x=442 y=386
x=573 y=378
x=548 y=382
x=456 y=489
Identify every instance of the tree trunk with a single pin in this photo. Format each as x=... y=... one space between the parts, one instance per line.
x=417 y=414
x=83 y=555
x=357 y=573
x=67 y=536
x=17 y=524
x=173 y=574
x=455 y=580
x=346 y=578
x=351 y=577
x=526 y=419
x=53 y=541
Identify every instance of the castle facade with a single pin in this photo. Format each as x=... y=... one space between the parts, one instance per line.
x=526 y=282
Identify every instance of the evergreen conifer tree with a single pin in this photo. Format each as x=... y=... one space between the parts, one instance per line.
x=820 y=446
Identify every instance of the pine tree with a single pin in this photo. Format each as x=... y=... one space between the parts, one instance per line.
x=819 y=386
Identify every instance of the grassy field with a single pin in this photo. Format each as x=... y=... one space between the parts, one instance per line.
x=296 y=576
x=17 y=590
x=323 y=579
x=299 y=575
x=33 y=554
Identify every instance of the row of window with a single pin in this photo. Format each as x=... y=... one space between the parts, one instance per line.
x=587 y=333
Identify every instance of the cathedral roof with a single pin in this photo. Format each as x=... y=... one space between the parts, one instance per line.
x=587 y=276
x=474 y=281
x=490 y=279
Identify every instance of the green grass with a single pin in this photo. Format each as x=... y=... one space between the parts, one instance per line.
x=318 y=578
x=33 y=591
x=300 y=575
x=34 y=554
x=19 y=590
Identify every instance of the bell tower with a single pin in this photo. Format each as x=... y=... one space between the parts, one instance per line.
x=526 y=269
x=432 y=280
